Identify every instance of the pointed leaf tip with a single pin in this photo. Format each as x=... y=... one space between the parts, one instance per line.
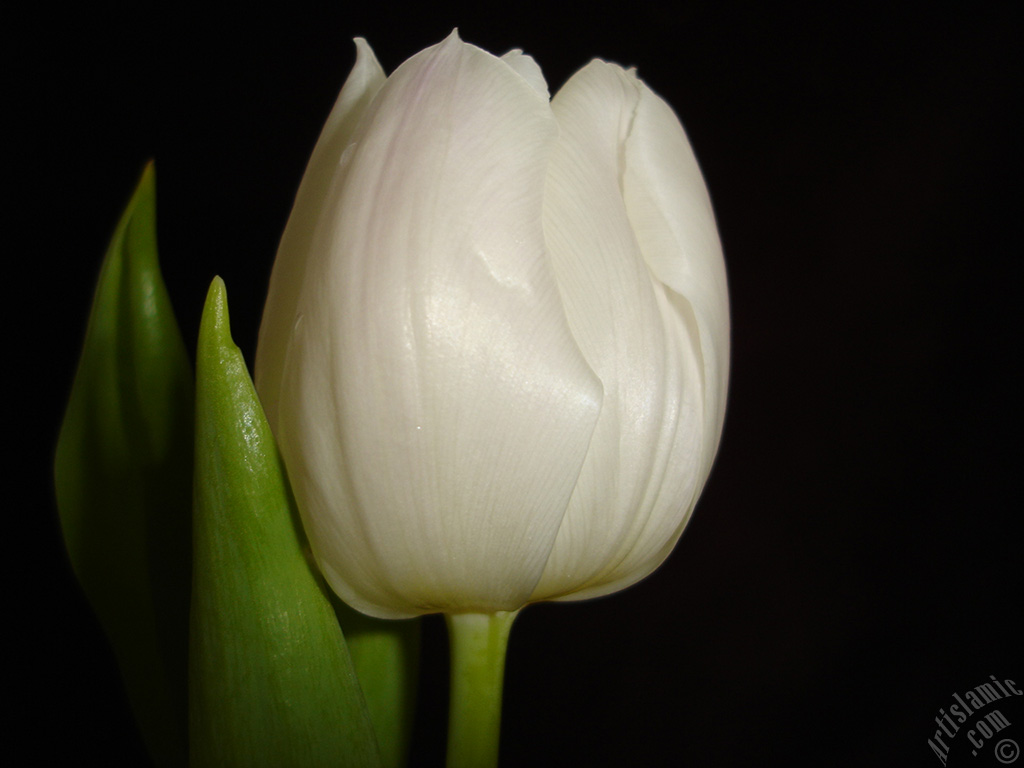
x=215 y=311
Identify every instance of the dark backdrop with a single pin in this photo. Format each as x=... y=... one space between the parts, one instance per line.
x=855 y=559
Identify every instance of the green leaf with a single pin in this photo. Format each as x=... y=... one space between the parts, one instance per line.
x=123 y=476
x=385 y=653
x=271 y=681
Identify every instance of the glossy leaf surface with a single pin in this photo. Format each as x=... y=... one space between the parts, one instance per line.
x=271 y=680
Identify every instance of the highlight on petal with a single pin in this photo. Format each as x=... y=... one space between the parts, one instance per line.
x=641 y=476
x=295 y=250
x=430 y=334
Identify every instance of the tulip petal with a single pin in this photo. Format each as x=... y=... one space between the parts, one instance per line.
x=362 y=85
x=640 y=478
x=669 y=208
x=528 y=69
x=435 y=408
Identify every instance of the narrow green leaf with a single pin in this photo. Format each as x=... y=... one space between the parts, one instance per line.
x=271 y=682
x=386 y=658
x=123 y=476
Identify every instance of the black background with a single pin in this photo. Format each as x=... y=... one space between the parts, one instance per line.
x=855 y=559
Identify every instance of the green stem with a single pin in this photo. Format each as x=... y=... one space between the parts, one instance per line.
x=478 y=642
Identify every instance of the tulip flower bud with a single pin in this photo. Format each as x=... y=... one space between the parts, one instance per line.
x=496 y=343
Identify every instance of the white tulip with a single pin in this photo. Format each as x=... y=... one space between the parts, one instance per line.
x=496 y=344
